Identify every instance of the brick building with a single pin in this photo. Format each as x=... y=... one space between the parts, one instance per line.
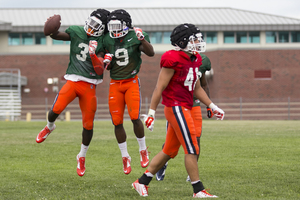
x=255 y=59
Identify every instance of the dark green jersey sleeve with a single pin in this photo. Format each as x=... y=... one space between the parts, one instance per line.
x=206 y=66
x=80 y=60
x=127 y=60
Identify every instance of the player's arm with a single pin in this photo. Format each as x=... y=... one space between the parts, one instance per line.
x=145 y=46
x=97 y=61
x=204 y=84
x=60 y=36
x=202 y=96
x=164 y=78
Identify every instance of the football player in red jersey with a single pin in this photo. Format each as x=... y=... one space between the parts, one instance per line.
x=178 y=81
x=126 y=43
x=82 y=77
x=196 y=110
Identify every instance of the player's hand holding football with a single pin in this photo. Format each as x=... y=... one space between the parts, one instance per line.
x=92 y=47
x=218 y=112
x=149 y=119
x=139 y=33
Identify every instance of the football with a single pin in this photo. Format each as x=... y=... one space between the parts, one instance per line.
x=52 y=25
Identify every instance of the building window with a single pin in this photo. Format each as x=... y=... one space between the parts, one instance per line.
x=166 y=38
x=254 y=37
x=241 y=37
x=229 y=37
x=271 y=37
x=262 y=74
x=60 y=42
x=14 y=39
x=40 y=38
x=283 y=36
x=211 y=37
x=295 y=36
x=26 y=39
x=156 y=37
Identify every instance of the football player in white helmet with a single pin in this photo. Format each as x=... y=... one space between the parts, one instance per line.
x=126 y=43
x=82 y=77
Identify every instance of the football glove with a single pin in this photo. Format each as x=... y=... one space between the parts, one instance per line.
x=210 y=113
x=149 y=119
x=139 y=33
x=108 y=58
x=92 y=47
x=218 y=112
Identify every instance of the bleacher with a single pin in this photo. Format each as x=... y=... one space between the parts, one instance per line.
x=10 y=104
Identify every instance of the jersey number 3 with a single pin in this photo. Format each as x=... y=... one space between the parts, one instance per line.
x=83 y=53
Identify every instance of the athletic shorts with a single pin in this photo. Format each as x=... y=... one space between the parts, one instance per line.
x=181 y=131
x=86 y=92
x=121 y=93
x=197 y=116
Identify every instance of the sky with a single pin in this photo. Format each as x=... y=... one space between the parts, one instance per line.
x=287 y=8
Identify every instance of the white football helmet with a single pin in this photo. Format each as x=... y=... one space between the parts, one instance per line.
x=117 y=28
x=94 y=27
x=119 y=23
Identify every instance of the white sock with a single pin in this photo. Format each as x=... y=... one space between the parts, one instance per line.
x=50 y=125
x=142 y=143
x=149 y=174
x=83 y=150
x=123 y=149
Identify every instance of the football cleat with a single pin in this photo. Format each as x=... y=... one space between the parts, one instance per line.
x=160 y=175
x=80 y=165
x=140 y=188
x=188 y=179
x=144 y=158
x=126 y=165
x=44 y=134
x=204 y=194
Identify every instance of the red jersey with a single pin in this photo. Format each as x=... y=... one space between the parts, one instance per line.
x=180 y=89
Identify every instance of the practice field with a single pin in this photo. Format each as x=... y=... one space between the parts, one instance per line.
x=239 y=160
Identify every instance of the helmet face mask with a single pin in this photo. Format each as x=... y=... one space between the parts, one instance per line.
x=119 y=23
x=117 y=28
x=196 y=44
x=94 y=27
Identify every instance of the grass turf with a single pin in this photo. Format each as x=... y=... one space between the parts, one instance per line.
x=239 y=160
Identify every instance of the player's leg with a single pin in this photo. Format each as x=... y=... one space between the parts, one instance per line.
x=133 y=102
x=182 y=122
x=63 y=98
x=116 y=102
x=170 y=150
x=160 y=175
x=88 y=107
x=197 y=117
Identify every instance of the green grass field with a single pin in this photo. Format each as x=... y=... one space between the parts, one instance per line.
x=239 y=160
